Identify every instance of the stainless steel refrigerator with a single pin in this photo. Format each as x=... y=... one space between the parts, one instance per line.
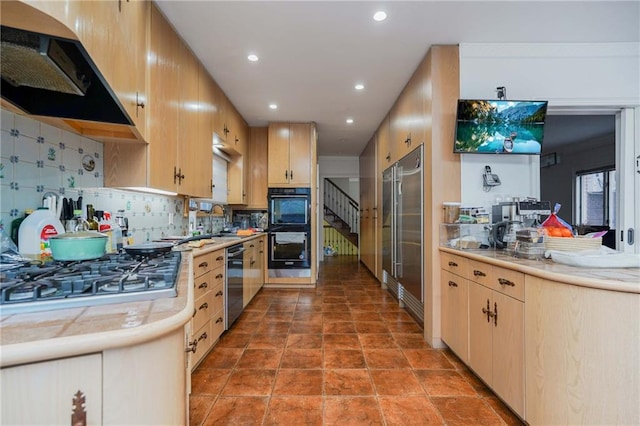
x=402 y=231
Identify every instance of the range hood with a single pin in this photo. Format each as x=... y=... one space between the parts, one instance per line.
x=55 y=77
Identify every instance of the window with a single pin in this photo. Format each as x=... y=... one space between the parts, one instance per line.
x=596 y=197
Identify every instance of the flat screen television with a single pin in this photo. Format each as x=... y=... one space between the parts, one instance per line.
x=499 y=126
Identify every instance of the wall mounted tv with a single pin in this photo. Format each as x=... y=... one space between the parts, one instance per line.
x=499 y=126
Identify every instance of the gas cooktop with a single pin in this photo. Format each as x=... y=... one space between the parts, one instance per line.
x=114 y=278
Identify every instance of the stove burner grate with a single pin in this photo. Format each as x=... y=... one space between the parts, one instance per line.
x=116 y=278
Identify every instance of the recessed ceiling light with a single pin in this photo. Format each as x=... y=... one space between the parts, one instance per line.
x=349 y=120
x=252 y=58
x=359 y=86
x=273 y=106
x=379 y=16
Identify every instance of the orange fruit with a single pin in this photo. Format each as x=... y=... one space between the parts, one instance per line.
x=566 y=232
x=554 y=232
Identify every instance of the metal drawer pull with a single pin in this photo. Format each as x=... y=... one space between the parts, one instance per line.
x=504 y=281
x=452 y=284
x=479 y=273
x=203 y=285
x=203 y=336
x=219 y=293
x=192 y=346
x=219 y=320
x=219 y=258
x=205 y=305
x=203 y=265
x=451 y=263
x=219 y=276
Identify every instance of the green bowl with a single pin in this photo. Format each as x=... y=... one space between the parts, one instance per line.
x=72 y=246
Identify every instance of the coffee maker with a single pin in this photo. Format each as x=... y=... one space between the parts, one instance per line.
x=510 y=216
x=505 y=212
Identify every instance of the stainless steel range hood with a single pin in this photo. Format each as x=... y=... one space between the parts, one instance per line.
x=55 y=77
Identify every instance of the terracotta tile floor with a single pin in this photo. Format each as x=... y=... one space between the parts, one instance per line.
x=343 y=353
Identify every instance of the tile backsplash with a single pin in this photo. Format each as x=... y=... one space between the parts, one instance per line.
x=36 y=158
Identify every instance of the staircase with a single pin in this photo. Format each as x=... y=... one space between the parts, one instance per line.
x=341 y=211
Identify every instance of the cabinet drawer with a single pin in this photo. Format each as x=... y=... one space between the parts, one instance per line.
x=203 y=310
x=202 y=264
x=218 y=298
x=508 y=281
x=204 y=337
x=203 y=284
x=217 y=258
x=217 y=325
x=480 y=272
x=217 y=276
x=453 y=263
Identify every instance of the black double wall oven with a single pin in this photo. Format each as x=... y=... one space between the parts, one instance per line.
x=289 y=232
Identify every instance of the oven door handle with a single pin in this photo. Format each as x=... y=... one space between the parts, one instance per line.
x=236 y=252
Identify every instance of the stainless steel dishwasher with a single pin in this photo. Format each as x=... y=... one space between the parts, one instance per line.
x=234 y=284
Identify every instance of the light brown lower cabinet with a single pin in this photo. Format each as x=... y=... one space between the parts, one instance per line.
x=53 y=392
x=145 y=383
x=483 y=323
x=253 y=268
x=583 y=354
x=455 y=314
x=496 y=343
x=207 y=324
x=556 y=353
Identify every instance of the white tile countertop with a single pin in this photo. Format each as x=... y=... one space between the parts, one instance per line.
x=615 y=279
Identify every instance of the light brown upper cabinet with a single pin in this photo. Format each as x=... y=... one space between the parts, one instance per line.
x=289 y=154
x=236 y=146
x=257 y=167
x=407 y=117
x=178 y=155
x=164 y=102
x=220 y=127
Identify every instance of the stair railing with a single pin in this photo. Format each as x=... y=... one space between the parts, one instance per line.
x=342 y=205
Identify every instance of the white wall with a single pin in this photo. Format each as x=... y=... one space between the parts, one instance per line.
x=571 y=76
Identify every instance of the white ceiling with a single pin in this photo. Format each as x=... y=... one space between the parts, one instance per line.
x=313 y=52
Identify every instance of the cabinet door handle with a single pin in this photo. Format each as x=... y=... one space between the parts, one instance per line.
x=203 y=265
x=388 y=157
x=205 y=305
x=219 y=258
x=479 y=273
x=291 y=174
x=219 y=293
x=453 y=264
x=219 y=320
x=286 y=174
x=203 y=336
x=504 y=281
x=487 y=311
x=78 y=413
x=495 y=314
x=452 y=284
x=219 y=276
x=203 y=285
x=251 y=245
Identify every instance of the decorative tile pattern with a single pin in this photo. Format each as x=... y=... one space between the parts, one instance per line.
x=36 y=158
x=362 y=363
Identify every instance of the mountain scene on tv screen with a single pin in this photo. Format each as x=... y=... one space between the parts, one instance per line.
x=500 y=127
